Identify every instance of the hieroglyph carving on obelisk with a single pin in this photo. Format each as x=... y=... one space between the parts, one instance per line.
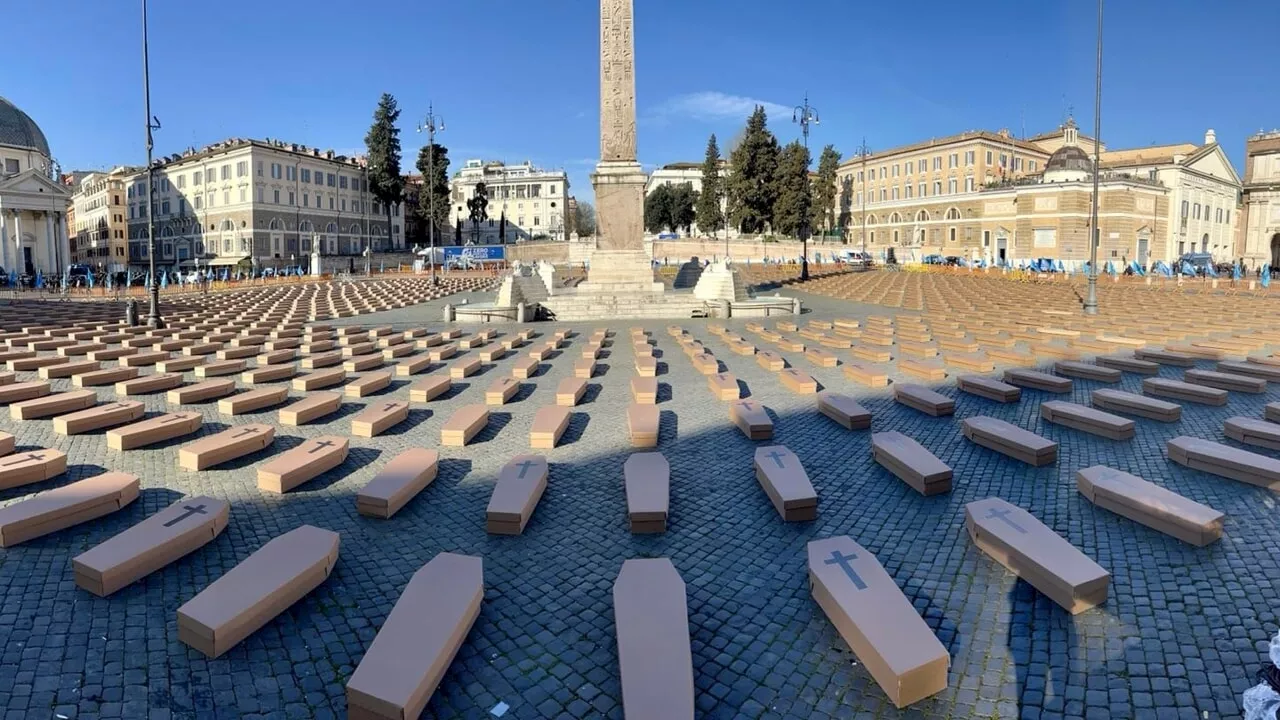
x=617 y=82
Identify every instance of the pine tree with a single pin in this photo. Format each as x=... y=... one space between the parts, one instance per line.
x=684 y=200
x=709 y=215
x=825 y=192
x=383 y=146
x=751 y=178
x=439 y=188
x=794 y=202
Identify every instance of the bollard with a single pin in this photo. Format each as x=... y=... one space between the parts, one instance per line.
x=448 y=313
x=131 y=313
x=520 y=313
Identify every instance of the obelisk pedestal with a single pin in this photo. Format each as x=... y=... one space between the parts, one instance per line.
x=620 y=263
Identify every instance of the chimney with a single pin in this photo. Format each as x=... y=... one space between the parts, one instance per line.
x=1210 y=137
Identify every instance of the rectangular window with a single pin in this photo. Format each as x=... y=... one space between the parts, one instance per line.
x=291 y=173
x=276 y=173
x=924 y=164
x=259 y=168
x=226 y=197
x=343 y=205
x=342 y=182
x=1195 y=211
x=951 y=186
x=988 y=157
x=922 y=190
x=182 y=181
x=182 y=206
x=226 y=171
x=1032 y=167
x=1185 y=205
x=242 y=168
x=871 y=174
x=520 y=191
x=292 y=199
x=535 y=221
x=968 y=184
x=1227 y=217
x=883 y=196
x=212 y=198
x=197 y=178
x=908 y=191
x=937 y=162
x=937 y=187
x=199 y=202
x=259 y=195
x=894 y=194
x=968 y=158
x=986 y=238
x=164 y=208
x=332 y=180
x=953 y=160
x=275 y=196
x=895 y=171
x=330 y=202
x=306 y=200
x=552 y=189
x=244 y=194
x=306 y=175
x=1004 y=160
x=535 y=191
x=319 y=177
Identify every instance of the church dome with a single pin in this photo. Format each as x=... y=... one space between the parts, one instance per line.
x=17 y=129
x=1069 y=157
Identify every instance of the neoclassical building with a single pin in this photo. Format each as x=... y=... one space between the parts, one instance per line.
x=33 y=206
x=533 y=200
x=1260 y=239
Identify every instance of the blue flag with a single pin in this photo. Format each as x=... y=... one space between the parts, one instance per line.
x=39 y=279
x=1235 y=271
x=90 y=280
x=1210 y=270
x=1266 y=275
x=164 y=279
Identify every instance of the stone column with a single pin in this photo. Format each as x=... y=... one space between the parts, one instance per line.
x=4 y=239
x=64 y=242
x=50 y=243
x=17 y=258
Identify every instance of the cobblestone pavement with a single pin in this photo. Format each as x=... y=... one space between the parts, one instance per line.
x=1179 y=636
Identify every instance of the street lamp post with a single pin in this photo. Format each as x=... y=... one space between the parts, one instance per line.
x=806 y=115
x=863 y=152
x=1091 y=297
x=153 y=316
x=431 y=124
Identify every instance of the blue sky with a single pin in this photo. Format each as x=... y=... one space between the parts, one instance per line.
x=518 y=80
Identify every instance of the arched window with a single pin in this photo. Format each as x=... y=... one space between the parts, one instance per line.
x=331 y=228
x=275 y=224
x=227 y=225
x=306 y=226
x=953 y=214
x=895 y=219
x=1204 y=243
x=871 y=219
x=922 y=216
x=355 y=228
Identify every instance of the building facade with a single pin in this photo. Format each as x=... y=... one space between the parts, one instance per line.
x=258 y=204
x=686 y=173
x=988 y=195
x=98 y=220
x=534 y=203
x=1259 y=240
x=33 y=203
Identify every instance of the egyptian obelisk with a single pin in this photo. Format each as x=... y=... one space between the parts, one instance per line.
x=619 y=262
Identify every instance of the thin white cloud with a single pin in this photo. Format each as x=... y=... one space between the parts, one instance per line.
x=712 y=106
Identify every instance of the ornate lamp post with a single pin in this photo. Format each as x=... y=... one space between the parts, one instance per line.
x=806 y=115
x=431 y=124
x=152 y=123
x=1095 y=234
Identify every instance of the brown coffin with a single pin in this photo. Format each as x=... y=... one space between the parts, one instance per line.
x=821 y=358
x=1225 y=461
x=56 y=404
x=784 y=480
x=294 y=467
x=492 y=354
x=153 y=430
x=321 y=360
x=1150 y=505
x=570 y=391
x=253 y=400
x=646 y=367
x=276 y=357
x=1255 y=369
x=654 y=659
x=1133 y=404
x=464 y=424
x=524 y=368
x=647 y=482
x=36 y=363
x=1009 y=439
x=464 y=368
x=30 y=467
x=798 y=382
x=148 y=384
x=225 y=446
x=66 y=506
x=429 y=388
x=66 y=370
x=236 y=352
x=584 y=368
x=172 y=533
x=1186 y=392
x=919 y=397
x=751 y=418
x=1011 y=356
x=1086 y=371
x=97 y=417
x=361 y=363
x=868 y=375
x=879 y=623
x=844 y=410
x=770 y=361
x=988 y=388
x=930 y=370
x=1226 y=381
x=723 y=386
x=1086 y=419
x=418 y=641
x=268 y=373
x=1037 y=380
x=911 y=463
x=1165 y=357
x=17 y=392
x=643 y=422
x=379 y=417
x=500 y=391
x=644 y=390
x=440 y=353
x=202 y=391
x=549 y=424
x=870 y=353
x=261 y=587
x=320 y=379
x=312 y=407
x=519 y=488
x=1128 y=364
x=367 y=384
x=412 y=366
x=706 y=363
x=1033 y=552
x=398 y=482
x=178 y=365
x=1252 y=431
x=917 y=349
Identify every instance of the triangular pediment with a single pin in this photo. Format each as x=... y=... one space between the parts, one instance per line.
x=1211 y=160
x=33 y=184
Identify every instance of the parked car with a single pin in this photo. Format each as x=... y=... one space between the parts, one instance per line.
x=1198 y=261
x=951 y=260
x=857 y=258
x=933 y=260
x=890 y=258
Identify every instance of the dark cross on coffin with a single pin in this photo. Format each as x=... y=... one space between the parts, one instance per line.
x=839 y=558
x=172 y=418
x=30 y=456
x=320 y=446
x=777 y=458
x=1002 y=514
x=524 y=467
x=188 y=511
x=390 y=406
x=745 y=405
x=244 y=432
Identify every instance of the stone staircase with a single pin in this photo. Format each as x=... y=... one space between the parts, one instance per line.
x=594 y=306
